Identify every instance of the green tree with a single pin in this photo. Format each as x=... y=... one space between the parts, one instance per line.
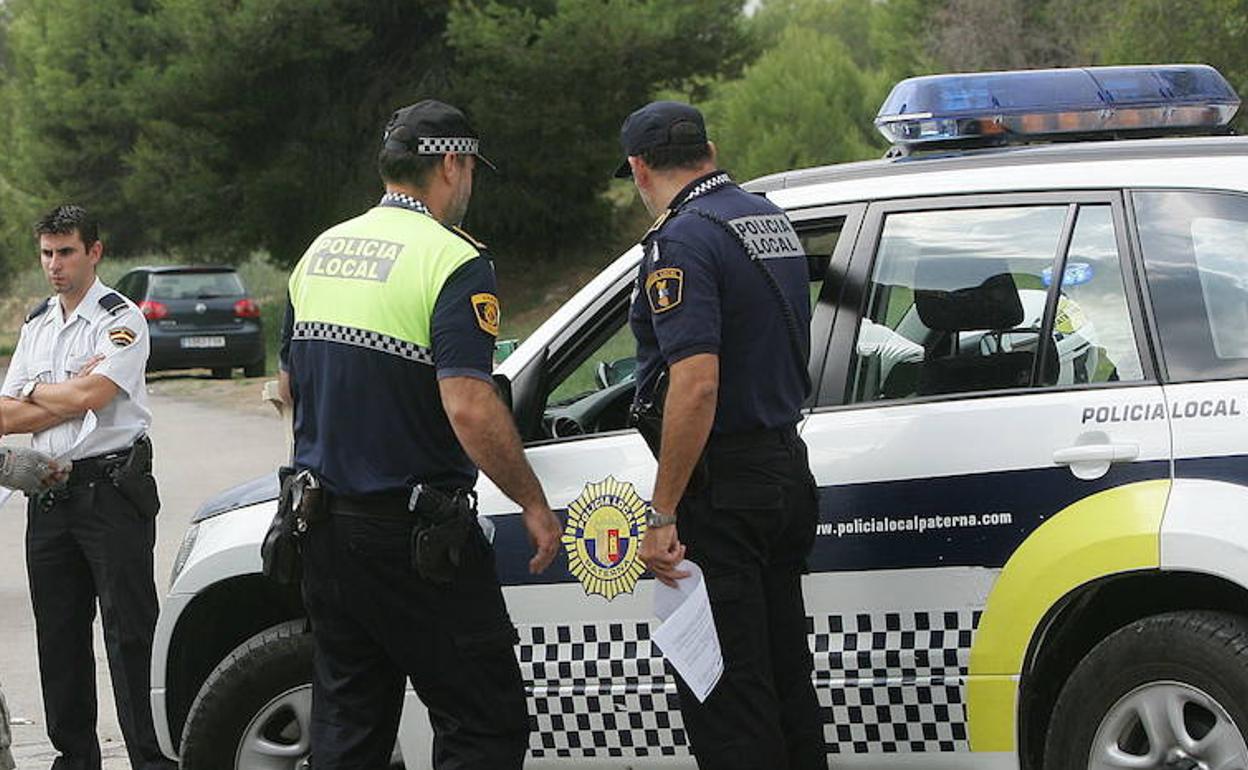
x=805 y=102
x=261 y=124
x=68 y=124
x=548 y=86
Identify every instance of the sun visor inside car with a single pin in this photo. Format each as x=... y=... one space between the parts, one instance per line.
x=956 y=294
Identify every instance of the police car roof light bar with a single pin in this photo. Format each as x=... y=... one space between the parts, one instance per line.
x=992 y=108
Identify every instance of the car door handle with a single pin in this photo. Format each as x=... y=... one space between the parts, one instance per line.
x=1097 y=453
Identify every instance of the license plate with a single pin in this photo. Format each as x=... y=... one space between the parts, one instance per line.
x=203 y=342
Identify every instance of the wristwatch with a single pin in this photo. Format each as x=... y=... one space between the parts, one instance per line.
x=28 y=389
x=654 y=519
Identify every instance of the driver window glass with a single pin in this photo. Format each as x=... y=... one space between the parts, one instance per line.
x=819 y=246
x=1092 y=331
x=955 y=302
x=613 y=362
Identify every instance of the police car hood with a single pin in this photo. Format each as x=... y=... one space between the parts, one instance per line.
x=257 y=490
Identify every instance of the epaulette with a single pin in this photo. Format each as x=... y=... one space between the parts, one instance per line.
x=657 y=223
x=478 y=245
x=112 y=302
x=38 y=310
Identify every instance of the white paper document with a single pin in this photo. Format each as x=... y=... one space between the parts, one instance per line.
x=89 y=421
x=687 y=634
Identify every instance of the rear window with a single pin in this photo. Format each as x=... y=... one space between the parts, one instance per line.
x=195 y=286
x=1195 y=248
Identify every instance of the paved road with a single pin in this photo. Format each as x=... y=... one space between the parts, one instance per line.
x=200 y=450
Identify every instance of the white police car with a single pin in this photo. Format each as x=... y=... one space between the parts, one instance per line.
x=1030 y=428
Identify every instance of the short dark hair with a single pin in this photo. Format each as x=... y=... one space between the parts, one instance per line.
x=67 y=219
x=409 y=168
x=678 y=154
x=406 y=167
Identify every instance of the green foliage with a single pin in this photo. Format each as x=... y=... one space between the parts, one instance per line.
x=1152 y=31
x=262 y=119
x=548 y=88
x=803 y=103
x=812 y=96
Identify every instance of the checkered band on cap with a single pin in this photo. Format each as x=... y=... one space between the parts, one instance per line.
x=440 y=145
x=362 y=338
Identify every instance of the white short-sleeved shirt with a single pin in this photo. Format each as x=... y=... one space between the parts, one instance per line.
x=53 y=347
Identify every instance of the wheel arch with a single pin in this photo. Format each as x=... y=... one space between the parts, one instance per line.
x=218 y=620
x=1089 y=614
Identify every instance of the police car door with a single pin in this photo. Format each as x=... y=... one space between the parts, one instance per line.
x=977 y=347
x=599 y=695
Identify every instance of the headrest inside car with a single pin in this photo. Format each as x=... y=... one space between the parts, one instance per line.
x=958 y=294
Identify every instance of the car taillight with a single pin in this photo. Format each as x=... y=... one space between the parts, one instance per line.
x=245 y=308
x=153 y=311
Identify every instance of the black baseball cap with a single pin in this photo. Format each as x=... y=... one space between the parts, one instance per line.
x=431 y=127
x=652 y=126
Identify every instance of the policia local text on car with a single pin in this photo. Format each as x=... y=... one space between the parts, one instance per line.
x=81 y=357
x=722 y=319
x=389 y=367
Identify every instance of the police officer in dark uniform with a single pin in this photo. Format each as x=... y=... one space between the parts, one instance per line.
x=77 y=383
x=387 y=357
x=722 y=320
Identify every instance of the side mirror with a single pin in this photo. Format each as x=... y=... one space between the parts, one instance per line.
x=602 y=375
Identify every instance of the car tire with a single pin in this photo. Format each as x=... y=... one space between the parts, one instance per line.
x=1192 y=666
x=257 y=369
x=222 y=372
x=262 y=690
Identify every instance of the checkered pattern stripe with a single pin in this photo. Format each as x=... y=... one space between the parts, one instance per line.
x=348 y=335
x=887 y=683
x=715 y=182
x=599 y=690
x=405 y=201
x=440 y=145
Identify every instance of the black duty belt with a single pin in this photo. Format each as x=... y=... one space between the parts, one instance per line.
x=782 y=436
x=389 y=505
x=385 y=505
x=90 y=470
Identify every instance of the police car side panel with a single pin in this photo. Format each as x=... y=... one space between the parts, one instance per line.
x=895 y=497
x=1204 y=527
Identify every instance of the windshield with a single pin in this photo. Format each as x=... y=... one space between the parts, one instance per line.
x=195 y=285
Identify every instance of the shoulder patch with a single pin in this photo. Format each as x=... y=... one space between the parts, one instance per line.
x=486 y=308
x=664 y=289
x=478 y=245
x=112 y=302
x=122 y=336
x=38 y=310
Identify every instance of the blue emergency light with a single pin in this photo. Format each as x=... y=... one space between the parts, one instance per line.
x=989 y=108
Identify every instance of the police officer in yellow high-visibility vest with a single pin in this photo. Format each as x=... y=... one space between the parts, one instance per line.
x=387 y=356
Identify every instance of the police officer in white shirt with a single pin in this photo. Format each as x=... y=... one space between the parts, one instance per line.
x=76 y=382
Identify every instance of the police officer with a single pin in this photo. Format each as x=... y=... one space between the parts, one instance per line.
x=388 y=356
x=722 y=320
x=80 y=360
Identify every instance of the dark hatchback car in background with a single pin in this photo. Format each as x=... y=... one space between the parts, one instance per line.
x=198 y=317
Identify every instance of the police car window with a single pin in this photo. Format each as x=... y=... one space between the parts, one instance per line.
x=1093 y=340
x=955 y=302
x=595 y=396
x=819 y=246
x=1195 y=248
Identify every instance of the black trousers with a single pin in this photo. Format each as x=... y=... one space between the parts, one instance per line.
x=375 y=623
x=90 y=544
x=750 y=526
